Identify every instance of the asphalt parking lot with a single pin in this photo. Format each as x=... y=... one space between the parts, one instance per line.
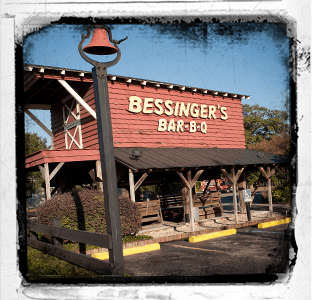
x=251 y=250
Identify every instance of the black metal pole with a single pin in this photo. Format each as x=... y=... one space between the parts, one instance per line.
x=106 y=145
x=248 y=211
x=104 y=126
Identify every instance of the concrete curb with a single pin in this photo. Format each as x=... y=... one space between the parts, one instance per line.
x=213 y=235
x=130 y=251
x=184 y=235
x=274 y=223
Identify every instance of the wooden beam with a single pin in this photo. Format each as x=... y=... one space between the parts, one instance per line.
x=238 y=174
x=90 y=263
x=227 y=175
x=77 y=97
x=264 y=173
x=184 y=181
x=56 y=169
x=67 y=98
x=231 y=178
x=272 y=172
x=266 y=176
x=41 y=170
x=39 y=122
x=193 y=182
x=32 y=79
x=38 y=106
x=140 y=181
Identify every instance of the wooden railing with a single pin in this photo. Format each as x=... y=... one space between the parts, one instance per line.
x=58 y=234
x=150 y=211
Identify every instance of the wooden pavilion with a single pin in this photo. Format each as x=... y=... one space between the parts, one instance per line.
x=161 y=132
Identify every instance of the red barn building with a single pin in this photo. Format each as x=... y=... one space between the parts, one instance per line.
x=182 y=133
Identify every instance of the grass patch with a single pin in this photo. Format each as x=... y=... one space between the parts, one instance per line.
x=126 y=239
x=42 y=266
x=135 y=238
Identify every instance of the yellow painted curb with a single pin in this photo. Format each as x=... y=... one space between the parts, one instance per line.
x=208 y=236
x=130 y=251
x=274 y=223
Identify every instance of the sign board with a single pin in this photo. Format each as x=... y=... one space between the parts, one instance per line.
x=246 y=195
x=159 y=117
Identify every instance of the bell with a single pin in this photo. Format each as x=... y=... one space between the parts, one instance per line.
x=100 y=44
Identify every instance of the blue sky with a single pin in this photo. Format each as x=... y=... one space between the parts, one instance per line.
x=248 y=59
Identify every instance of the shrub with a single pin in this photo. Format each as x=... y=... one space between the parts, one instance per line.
x=279 y=194
x=83 y=209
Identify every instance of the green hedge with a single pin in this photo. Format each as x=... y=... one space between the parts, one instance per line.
x=84 y=210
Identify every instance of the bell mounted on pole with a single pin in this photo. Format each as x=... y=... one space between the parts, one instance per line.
x=100 y=44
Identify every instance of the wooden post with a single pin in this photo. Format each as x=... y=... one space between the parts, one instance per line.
x=189 y=183
x=47 y=181
x=131 y=183
x=270 y=198
x=268 y=176
x=99 y=173
x=58 y=242
x=185 y=198
x=241 y=185
x=234 y=195
x=135 y=188
x=48 y=177
x=189 y=178
x=186 y=207
x=270 y=194
x=233 y=179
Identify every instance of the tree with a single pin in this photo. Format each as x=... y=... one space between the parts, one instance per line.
x=261 y=123
x=34 y=143
x=278 y=144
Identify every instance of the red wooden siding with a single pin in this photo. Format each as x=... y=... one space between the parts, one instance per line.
x=48 y=156
x=140 y=130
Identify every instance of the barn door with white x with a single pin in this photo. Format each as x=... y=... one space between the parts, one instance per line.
x=72 y=124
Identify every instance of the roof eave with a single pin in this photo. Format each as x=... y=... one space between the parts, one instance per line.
x=128 y=80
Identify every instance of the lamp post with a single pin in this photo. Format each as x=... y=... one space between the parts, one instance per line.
x=100 y=45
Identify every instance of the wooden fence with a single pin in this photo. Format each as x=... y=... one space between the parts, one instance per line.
x=56 y=248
